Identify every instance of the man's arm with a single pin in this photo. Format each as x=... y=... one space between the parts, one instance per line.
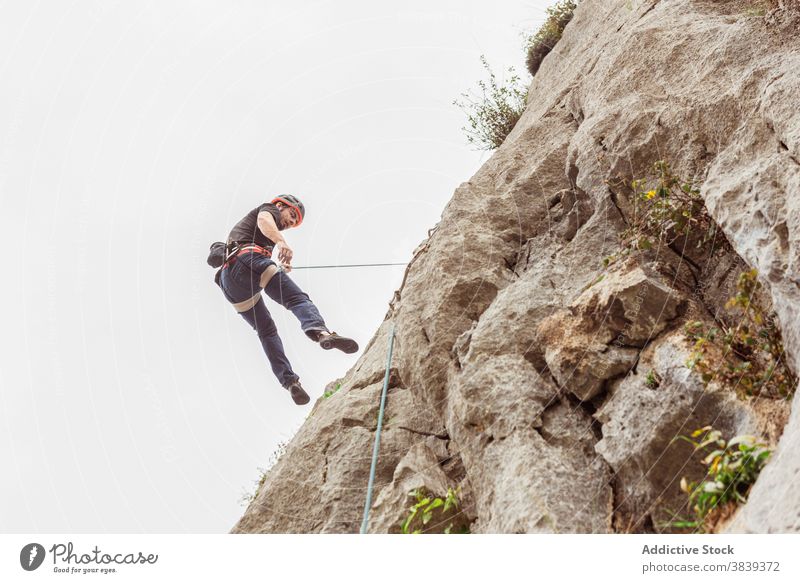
x=266 y=224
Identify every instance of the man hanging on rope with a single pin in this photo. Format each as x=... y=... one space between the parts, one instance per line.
x=248 y=268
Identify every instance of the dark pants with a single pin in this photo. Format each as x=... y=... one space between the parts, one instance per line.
x=240 y=281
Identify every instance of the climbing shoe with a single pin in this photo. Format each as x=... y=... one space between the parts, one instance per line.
x=333 y=340
x=299 y=396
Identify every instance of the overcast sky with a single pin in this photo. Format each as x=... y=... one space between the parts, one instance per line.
x=132 y=135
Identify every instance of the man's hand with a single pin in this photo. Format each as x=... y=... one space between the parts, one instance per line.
x=285 y=256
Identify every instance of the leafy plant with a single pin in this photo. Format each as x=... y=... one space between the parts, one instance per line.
x=494 y=110
x=652 y=380
x=332 y=391
x=422 y=512
x=280 y=449
x=542 y=42
x=665 y=208
x=733 y=467
x=750 y=355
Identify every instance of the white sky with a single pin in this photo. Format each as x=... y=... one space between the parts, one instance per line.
x=132 y=135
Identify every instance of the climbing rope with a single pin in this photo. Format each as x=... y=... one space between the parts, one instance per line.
x=368 y=503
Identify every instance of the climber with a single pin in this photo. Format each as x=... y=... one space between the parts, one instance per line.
x=248 y=268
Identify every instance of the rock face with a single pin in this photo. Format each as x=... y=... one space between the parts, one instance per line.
x=521 y=363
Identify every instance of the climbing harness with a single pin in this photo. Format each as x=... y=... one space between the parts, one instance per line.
x=221 y=254
x=249 y=248
x=368 y=504
x=222 y=257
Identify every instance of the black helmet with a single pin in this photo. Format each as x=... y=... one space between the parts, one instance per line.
x=293 y=202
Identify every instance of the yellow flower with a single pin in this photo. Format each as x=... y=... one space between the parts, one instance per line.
x=650 y=194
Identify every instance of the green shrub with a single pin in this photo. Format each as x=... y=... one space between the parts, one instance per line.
x=541 y=43
x=421 y=515
x=332 y=391
x=280 y=449
x=750 y=355
x=666 y=209
x=494 y=110
x=733 y=467
x=652 y=381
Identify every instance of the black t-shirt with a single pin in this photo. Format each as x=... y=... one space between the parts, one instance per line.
x=247 y=231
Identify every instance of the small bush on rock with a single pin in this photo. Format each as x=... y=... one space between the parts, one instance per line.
x=280 y=449
x=748 y=356
x=652 y=381
x=541 y=43
x=666 y=209
x=733 y=467
x=331 y=391
x=422 y=518
x=494 y=110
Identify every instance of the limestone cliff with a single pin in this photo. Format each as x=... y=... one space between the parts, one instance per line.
x=520 y=360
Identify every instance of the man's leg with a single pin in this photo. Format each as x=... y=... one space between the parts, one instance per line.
x=259 y=318
x=283 y=290
x=288 y=294
x=241 y=285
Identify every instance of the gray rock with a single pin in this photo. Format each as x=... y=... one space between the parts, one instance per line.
x=641 y=426
x=597 y=338
x=508 y=343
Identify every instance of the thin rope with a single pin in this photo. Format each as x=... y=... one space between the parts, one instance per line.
x=358 y=265
x=368 y=503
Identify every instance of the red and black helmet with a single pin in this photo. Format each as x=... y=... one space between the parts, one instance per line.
x=293 y=202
